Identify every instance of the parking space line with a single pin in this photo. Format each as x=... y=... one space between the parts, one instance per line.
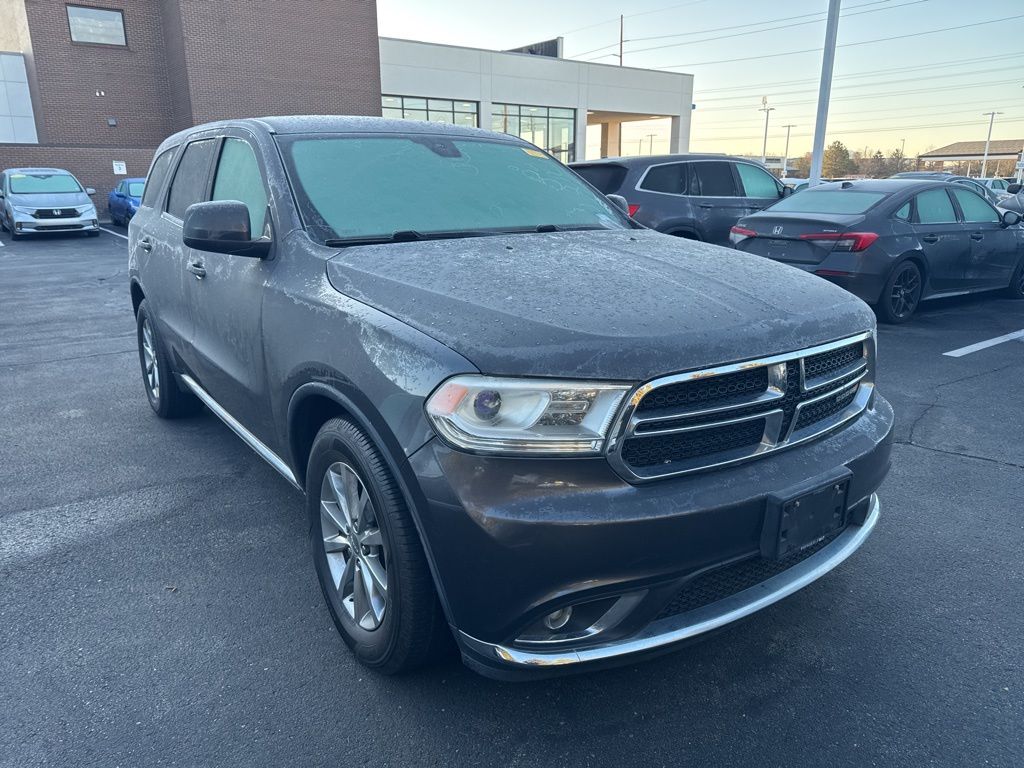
x=984 y=344
x=115 y=234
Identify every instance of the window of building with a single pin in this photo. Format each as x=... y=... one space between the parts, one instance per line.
x=239 y=178
x=189 y=183
x=550 y=128
x=101 y=26
x=432 y=110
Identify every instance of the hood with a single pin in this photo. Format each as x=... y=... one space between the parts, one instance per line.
x=62 y=200
x=624 y=305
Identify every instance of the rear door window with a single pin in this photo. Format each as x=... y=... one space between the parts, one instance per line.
x=156 y=177
x=716 y=179
x=606 y=178
x=975 y=209
x=189 y=183
x=239 y=178
x=934 y=207
x=757 y=182
x=672 y=179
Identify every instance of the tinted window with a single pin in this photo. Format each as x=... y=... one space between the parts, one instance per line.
x=999 y=184
x=757 y=182
x=363 y=187
x=934 y=207
x=189 y=183
x=43 y=183
x=974 y=208
x=607 y=178
x=156 y=177
x=666 y=178
x=715 y=179
x=239 y=178
x=829 y=201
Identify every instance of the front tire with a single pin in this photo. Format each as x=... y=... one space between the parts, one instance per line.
x=165 y=398
x=368 y=555
x=1015 y=290
x=901 y=294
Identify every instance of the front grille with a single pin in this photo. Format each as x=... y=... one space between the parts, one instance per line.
x=828 y=363
x=709 y=418
x=720 y=583
x=56 y=213
x=685 y=445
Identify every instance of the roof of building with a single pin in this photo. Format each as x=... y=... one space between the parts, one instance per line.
x=1007 y=148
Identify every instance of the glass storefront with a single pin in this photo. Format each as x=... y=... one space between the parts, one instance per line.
x=432 y=110
x=550 y=128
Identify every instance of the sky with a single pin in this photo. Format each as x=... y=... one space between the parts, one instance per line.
x=928 y=87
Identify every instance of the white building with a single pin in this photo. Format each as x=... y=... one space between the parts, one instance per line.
x=546 y=100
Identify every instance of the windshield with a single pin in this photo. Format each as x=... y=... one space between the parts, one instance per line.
x=43 y=183
x=828 y=201
x=135 y=188
x=364 y=187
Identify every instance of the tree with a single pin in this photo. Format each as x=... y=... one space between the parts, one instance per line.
x=896 y=160
x=802 y=167
x=876 y=166
x=837 y=161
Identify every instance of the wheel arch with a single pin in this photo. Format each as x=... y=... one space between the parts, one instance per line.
x=137 y=296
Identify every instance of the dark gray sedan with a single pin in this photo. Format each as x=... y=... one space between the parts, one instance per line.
x=892 y=242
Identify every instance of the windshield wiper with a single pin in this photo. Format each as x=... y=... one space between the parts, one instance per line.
x=403 y=236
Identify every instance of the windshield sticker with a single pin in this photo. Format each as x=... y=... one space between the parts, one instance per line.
x=533 y=152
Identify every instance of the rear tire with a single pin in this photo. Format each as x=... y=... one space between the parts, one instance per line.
x=901 y=295
x=1015 y=290
x=370 y=562
x=165 y=398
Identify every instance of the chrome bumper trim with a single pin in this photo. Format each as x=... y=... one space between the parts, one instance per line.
x=705 y=619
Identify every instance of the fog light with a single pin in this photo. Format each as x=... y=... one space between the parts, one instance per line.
x=558 y=619
x=18 y=225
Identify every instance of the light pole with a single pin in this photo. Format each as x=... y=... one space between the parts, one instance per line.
x=767 y=112
x=824 y=91
x=903 y=153
x=988 y=140
x=785 y=155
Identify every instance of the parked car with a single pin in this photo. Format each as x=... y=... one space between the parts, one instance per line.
x=991 y=195
x=893 y=242
x=45 y=200
x=518 y=417
x=124 y=200
x=698 y=197
x=995 y=184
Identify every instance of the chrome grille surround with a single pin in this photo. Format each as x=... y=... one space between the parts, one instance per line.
x=780 y=432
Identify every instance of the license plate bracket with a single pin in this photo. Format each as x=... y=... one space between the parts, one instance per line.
x=805 y=515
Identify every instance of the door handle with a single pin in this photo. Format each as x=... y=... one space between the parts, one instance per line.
x=930 y=238
x=146 y=244
x=705 y=205
x=197 y=269
x=977 y=236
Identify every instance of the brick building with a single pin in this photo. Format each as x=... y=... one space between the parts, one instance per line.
x=83 y=86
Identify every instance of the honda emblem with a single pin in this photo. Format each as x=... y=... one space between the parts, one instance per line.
x=777 y=230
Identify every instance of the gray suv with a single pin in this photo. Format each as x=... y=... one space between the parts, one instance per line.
x=517 y=418
x=38 y=200
x=699 y=197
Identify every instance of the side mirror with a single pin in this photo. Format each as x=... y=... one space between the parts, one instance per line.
x=619 y=202
x=222 y=226
x=1009 y=218
x=1014 y=189
x=787 y=191
x=90 y=191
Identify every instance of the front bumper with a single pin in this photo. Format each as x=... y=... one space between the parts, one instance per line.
x=514 y=539
x=26 y=225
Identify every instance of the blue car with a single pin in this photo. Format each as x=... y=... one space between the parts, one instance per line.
x=124 y=200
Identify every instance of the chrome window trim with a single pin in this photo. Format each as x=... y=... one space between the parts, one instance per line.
x=771 y=441
x=674 y=629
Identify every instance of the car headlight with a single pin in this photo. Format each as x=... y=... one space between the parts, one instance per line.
x=524 y=416
x=85 y=210
x=23 y=210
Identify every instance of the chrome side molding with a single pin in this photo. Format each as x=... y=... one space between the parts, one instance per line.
x=235 y=426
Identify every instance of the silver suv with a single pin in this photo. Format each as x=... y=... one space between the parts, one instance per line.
x=45 y=200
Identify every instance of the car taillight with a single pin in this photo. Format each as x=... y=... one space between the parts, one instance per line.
x=843 y=241
x=633 y=208
x=739 y=234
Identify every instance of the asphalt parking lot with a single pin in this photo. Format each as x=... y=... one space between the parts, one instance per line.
x=158 y=605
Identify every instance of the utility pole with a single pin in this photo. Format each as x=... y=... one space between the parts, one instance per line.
x=622 y=35
x=785 y=155
x=767 y=111
x=824 y=91
x=651 y=137
x=903 y=153
x=984 y=160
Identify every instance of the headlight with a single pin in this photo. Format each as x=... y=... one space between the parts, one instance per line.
x=22 y=210
x=85 y=210
x=524 y=416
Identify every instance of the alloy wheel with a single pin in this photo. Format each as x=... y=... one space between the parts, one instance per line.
x=356 y=555
x=149 y=360
x=906 y=292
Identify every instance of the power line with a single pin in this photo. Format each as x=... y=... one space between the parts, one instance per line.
x=840 y=131
x=889 y=112
x=846 y=45
x=630 y=16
